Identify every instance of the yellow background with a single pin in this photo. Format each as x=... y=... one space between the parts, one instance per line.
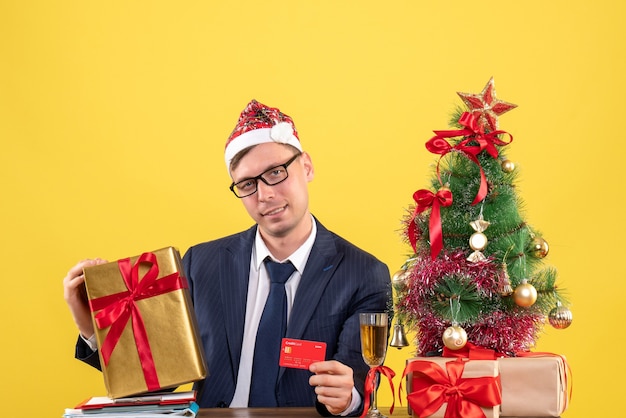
x=113 y=118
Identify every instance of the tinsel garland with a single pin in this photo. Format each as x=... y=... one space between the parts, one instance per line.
x=505 y=329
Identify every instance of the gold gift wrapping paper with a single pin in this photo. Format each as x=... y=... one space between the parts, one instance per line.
x=473 y=368
x=170 y=325
x=533 y=386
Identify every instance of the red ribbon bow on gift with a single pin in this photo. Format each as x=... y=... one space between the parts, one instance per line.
x=464 y=396
x=475 y=134
x=426 y=199
x=117 y=309
x=370 y=386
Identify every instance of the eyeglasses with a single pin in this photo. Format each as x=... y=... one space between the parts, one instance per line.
x=271 y=177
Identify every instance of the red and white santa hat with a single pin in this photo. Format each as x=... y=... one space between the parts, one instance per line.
x=259 y=124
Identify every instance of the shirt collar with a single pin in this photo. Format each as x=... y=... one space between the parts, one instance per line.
x=298 y=258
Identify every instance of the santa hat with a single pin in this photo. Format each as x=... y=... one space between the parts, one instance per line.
x=259 y=124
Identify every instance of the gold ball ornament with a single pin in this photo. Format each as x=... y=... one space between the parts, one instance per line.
x=560 y=317
x=454 y=337
x=507 y=166
x=539 y=247
x=525 y=294
x=400 y=280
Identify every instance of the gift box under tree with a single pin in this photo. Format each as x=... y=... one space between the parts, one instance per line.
x=452 y=387
x=534 y=386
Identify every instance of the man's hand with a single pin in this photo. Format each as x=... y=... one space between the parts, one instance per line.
x=76 y=296
x=333 y=382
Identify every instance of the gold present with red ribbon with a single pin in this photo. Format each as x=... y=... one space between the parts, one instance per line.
x=534 y=384
x=453 y=387
x=145 y=325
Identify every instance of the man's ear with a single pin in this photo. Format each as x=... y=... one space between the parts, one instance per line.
x=309 y=171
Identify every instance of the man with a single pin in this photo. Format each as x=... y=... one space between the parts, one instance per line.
x=328 y=283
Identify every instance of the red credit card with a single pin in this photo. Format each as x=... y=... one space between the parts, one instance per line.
x=299 y=354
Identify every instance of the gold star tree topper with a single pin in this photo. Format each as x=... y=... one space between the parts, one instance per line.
x=486 y=107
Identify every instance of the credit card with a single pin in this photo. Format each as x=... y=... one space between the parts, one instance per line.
x=299 y=354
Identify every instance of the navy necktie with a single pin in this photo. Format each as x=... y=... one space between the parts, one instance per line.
x=268 y=338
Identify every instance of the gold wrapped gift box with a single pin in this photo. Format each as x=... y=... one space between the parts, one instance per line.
x=145 y=324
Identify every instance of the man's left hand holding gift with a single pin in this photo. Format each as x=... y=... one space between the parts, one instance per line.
x=76 y=299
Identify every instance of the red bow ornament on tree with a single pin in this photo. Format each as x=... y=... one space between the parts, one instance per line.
x=474 y=134
x=426 y=199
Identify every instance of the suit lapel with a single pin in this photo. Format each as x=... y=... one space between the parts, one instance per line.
x=235 y=275
x=319 y=269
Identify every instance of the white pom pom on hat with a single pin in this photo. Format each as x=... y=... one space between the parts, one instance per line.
x=259 y=124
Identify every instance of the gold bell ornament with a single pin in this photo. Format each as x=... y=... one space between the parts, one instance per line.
x=400 y=283
x=398 y=338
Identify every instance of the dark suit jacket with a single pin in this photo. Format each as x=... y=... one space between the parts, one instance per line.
x=338 y=282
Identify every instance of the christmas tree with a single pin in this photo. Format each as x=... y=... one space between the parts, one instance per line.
x=476 y=272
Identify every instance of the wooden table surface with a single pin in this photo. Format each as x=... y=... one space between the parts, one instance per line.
x=279 y=412
x=398 y=412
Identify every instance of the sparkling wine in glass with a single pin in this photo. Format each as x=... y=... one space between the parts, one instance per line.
x=374 y=348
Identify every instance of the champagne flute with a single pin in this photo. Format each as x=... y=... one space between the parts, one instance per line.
x=374 y=348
